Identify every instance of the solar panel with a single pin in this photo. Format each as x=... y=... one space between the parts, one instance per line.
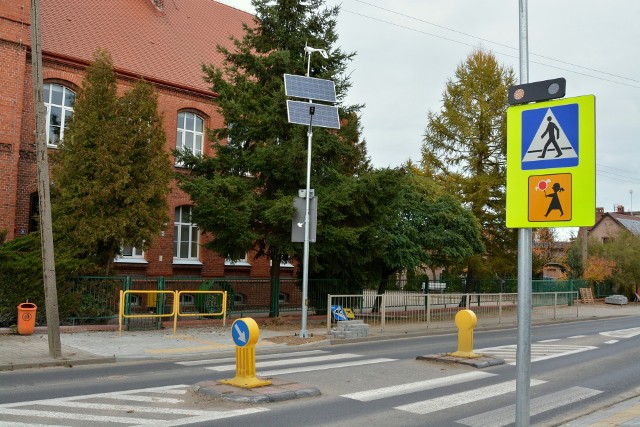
x=325 y=116
x=309 y=88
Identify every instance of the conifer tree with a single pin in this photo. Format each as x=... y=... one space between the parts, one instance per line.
x=244 y=195
x=112 y=174
x=465 y=150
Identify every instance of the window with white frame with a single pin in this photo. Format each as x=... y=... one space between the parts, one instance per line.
x=131 y=254
x=190 y=132
x=185 y=235
x=58 y=101
x=239 y=262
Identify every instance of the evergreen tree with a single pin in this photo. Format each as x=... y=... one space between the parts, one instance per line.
x=244 y=195
x=112 y=174
x=465 y=150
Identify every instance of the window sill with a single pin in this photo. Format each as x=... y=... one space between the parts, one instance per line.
x=177 y=261
x=236 y=264
x=120 y=260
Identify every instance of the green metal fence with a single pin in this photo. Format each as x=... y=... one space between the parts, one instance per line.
x=94 y=300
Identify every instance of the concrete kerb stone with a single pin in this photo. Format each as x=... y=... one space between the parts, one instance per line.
x=484 y=361
x=278 y=391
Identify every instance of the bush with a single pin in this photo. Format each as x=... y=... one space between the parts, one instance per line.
x=21 y=278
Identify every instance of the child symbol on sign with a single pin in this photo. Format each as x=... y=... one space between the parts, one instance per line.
x=555 y=199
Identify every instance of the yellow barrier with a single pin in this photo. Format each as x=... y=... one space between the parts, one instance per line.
x=223 y=311
x=175 y=312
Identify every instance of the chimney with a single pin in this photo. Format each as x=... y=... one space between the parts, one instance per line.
x=599 y=210
x=619 y=209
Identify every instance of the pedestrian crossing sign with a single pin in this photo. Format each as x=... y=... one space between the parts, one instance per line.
x=551 y=163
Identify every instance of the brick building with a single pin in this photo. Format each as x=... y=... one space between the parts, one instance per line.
x=163 y=41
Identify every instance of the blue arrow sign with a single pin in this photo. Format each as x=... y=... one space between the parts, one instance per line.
x=240 y=333
x=550 y=137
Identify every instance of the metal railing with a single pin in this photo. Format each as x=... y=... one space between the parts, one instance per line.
x=174 y=300
x=434 y=310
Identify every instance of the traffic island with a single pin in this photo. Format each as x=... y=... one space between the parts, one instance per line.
x=466 y=322
x=246 y=386
x=277 y=391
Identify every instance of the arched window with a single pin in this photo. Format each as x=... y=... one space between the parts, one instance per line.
x=185 y=235
x=59 y=103
x=190 y=132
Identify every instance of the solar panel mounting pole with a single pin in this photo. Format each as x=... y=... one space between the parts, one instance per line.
x=307 y=222
x=302 y=113
x=523 y=353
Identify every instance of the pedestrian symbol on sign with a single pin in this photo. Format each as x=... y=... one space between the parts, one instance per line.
x=550 y=137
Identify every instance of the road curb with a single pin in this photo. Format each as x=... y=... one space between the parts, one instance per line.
x=68 y=363
x=278 y=391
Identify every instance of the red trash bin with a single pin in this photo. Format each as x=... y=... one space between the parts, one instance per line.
x=26 y=318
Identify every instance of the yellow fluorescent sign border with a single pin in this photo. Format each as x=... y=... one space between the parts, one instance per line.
x=583 y=175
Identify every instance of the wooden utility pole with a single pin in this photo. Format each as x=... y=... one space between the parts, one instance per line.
x=44 y=198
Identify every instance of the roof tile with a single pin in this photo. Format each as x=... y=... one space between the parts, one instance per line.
x=168 y=46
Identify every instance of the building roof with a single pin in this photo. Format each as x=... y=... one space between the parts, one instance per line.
x=631 y=223
x=168 y=45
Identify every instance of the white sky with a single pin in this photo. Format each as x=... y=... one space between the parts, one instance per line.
x=407 y=49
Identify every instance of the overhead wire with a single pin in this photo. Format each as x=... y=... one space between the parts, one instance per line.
x=489 y=41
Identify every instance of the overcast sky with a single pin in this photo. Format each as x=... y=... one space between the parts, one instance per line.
x=407 y=49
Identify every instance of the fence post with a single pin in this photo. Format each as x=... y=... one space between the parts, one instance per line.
x=383 y=311
x=328 y=314
x=428 y=310
x=500 y=307
x=127 y=299
x=577 y=303
x=555 y=303
x=468 y=301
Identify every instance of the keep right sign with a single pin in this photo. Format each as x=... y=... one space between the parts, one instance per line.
x=551 y=163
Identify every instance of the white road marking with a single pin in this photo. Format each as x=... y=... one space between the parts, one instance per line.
x=384 y=392
x=136 y=414
x=323 y=367
x=622 y=333
x=611 y=341
x=462 y=398
x=505 y=416
x=294 y=361
x=258 y=357
x=551 y=340
x=538 y=351
x=577 y=336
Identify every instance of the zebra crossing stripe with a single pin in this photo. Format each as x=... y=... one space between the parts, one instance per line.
x=32 y=410
x=505 y=416
x=295 y=361
x=323 y=367
x=462 y=398
x=538 y=351
x=398 y=390
x=258 y=357
x=622 y=333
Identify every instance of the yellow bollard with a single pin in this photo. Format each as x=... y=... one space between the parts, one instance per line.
x=466 y=321
x=245 y=334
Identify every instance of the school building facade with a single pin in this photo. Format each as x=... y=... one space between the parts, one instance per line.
x=165 y=42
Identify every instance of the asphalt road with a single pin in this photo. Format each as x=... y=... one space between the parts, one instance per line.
x=575 y=368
